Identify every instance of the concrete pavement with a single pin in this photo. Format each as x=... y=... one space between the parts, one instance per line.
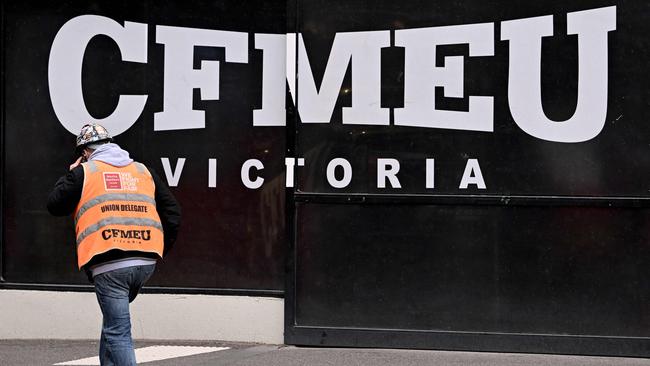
x=49 y=352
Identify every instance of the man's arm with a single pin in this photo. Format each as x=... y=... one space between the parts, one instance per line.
x=168 y=209
x=66 y=194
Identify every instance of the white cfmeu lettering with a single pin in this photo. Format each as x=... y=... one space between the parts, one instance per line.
x=181 y=78
x=65 y=64
x=361 y=53
x=421 y=76
x=524 y=80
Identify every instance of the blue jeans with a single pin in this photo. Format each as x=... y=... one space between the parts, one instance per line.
x=115 y=290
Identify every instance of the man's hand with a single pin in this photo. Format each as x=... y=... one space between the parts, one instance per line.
x=76 y=163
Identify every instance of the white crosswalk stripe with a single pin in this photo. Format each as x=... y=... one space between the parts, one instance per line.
x=152 y=353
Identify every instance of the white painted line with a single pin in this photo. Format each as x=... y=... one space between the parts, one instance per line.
x=152 y=353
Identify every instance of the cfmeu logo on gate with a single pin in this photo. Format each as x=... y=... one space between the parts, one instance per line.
x=363 y=51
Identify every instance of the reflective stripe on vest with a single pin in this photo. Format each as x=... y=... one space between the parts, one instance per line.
x=126 y=221
x=140 y=167
x=132 y=197
x=117 y=210
x=92 y=167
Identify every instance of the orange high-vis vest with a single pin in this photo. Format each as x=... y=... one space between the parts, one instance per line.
x=117 y=210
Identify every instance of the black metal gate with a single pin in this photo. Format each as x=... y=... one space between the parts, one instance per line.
x=550 y=256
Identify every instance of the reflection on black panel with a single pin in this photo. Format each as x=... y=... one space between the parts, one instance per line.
x=544 y=270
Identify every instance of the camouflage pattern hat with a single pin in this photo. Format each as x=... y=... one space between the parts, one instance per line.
x=91 y=133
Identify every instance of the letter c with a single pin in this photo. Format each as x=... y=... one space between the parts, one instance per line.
x=245 y=174
x=66 y=61
x=106 y=234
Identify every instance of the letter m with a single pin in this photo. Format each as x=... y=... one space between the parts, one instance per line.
x=364 y=49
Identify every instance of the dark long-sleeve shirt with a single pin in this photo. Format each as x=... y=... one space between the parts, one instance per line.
x=66 y=194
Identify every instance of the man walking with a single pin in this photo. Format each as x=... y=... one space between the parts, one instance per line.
x=125 y=219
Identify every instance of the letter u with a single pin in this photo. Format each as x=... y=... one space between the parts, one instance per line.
x=524 y=75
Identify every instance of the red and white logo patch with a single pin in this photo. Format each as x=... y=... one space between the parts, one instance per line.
x=112 y=181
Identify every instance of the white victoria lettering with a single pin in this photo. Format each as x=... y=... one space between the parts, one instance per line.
x=175 y=176
x=387 y=169
x=472 y=175
x=246 y=171
x=347 y=173
x=338 y=173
